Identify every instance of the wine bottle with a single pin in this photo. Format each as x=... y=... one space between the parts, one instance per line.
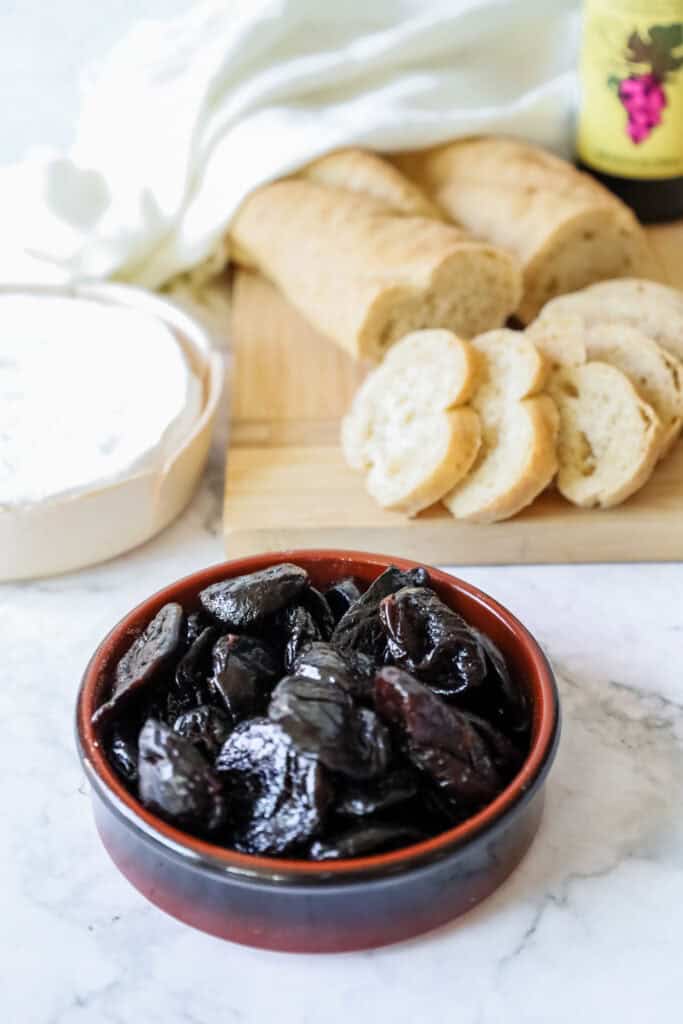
x=630 y=124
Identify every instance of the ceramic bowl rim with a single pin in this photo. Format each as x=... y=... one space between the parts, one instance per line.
x=217 y=859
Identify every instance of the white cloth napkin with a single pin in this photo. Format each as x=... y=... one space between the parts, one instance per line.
x=187 y=116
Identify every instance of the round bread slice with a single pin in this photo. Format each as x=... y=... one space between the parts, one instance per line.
x=517 y=457
x=656 y=374
x=404 y=429
x=609 y=438
x=655 y=309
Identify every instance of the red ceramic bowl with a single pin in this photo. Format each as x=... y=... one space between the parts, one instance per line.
x=300 y=906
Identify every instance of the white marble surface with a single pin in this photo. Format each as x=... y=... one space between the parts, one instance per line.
x=590 y=927
x=591 y=924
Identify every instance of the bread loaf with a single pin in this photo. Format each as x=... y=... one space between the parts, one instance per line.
x=404 y=429
x=517 y=458
x=566 y=229
x=359 y=170
x=365 y=276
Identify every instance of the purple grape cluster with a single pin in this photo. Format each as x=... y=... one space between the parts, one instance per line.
x=644 y=98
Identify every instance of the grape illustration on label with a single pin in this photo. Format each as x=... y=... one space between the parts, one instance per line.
x=643 y=93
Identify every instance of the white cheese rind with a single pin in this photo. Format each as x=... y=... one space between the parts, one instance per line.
x=90 y=393
x=45 y=537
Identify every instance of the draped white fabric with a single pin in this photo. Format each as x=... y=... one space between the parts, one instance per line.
x=187 y=116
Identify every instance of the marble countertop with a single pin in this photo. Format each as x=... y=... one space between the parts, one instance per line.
x=589 y=927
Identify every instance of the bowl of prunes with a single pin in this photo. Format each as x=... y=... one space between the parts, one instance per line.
x=317 y=751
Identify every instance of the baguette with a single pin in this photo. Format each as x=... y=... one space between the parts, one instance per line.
x=405 y=429
x=609 y=438
x=519 y=426
x=363 y=275
x=566 y=229
x=359 y=170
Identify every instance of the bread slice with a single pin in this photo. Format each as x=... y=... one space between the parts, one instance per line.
x=564 y=227
x=359 y=170
x=366 y=276
x=609 y=438
x=404 y=429
x=519 y=426
x=656 y=375
x=655 y=309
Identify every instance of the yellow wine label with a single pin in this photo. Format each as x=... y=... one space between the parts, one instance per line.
x=631 y=72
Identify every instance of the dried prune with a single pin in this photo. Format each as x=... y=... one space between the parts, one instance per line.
x=430 y=640
x=323 y=722
x=439 y=740
x=358 y=800
x=364 y=839
x=255 y=720
x=360 y=627
x=206 y=727
x=278 y=796
x=123 y=755
x=316 y=604
x=299 y=629
x=233 y=680
x=194 y=625
x=176 y=782
x=351 y=670
x=341 y=596
x=240 y=602
x=191 y=674
x=145 y=658
x=500 y=700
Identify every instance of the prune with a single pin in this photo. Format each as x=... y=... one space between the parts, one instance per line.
x=364 y=839
x=176 y=782
x=500 y=699
x=191 y=673
x=278 y=795
x=234 y=679
x=351 y=670
x=324 y=723
x=360 y=627
x=194 y=625
x=256 y=721
x=300 y=629
x=144 y=659
x=240 y=602
x=430 y=640
x=206 y=727
x=341 y=596
x=123 y=755
x=358 y=800
x=316 y=604
x=439 y=740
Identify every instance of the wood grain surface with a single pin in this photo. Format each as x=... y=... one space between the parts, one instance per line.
x=287 y=484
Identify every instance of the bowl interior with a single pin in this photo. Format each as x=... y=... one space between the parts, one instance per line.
x=526 y=662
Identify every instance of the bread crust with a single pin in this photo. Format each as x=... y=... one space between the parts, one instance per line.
x=587 y=476
x=359 y=170
x=365 y=276
x=564 y=227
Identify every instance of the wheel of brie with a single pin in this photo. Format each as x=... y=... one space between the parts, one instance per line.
x=106 y=400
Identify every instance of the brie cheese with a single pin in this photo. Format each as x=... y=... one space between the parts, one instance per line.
x=90 y=393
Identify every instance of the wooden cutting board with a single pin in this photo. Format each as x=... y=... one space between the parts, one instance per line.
x=287 y=484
